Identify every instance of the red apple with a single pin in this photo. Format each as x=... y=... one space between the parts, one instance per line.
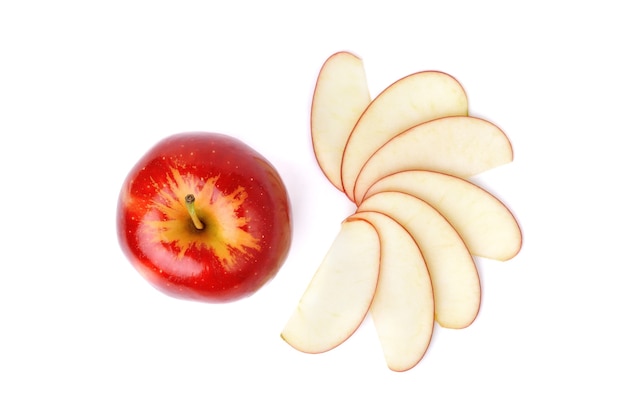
x=203 y=216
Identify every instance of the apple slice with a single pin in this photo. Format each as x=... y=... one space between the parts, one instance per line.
x=461 y=146
x=456 y=285
x=403 y=306
x=340 y=293
x=484 y=222
x=340 y=97
x=412 y=100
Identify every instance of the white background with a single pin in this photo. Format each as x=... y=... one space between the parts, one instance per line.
x=87 y=87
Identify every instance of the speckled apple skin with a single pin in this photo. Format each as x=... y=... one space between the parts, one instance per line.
x=241 y=200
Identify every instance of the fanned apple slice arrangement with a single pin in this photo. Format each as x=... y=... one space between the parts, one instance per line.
x=406 y=256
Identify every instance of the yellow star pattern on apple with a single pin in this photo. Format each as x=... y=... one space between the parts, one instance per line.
x=212 y=206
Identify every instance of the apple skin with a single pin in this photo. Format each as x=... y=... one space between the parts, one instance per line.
x=241 y=200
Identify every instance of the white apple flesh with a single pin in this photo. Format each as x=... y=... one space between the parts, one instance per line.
x=461 y=146
x=340 y=293
x=412 y=100
x=455 y=280
x=341 y=95
x=403 y=307
x=406 y=255
x=486 y=225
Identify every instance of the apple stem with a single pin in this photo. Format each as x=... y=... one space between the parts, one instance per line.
x=189 y=202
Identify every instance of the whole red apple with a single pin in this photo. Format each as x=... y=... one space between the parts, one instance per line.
x=203 y=216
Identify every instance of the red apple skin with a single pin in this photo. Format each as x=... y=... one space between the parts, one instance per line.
x=240 y=199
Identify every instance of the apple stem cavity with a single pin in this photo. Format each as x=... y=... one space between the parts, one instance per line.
x=190 y=199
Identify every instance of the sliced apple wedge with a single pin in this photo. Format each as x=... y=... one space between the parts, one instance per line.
x=412 y=100
x=340 y=293
x=455 y=281
x=484 y=222
x=340 y=97
x=461 y=146
x=403 y=306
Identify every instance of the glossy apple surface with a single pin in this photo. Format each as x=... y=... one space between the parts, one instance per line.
x=241 y=203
